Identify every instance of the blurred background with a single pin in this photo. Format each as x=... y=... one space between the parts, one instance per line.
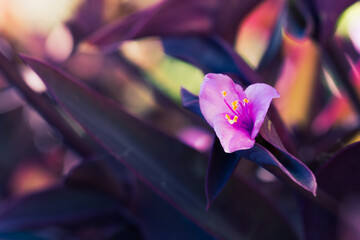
x=33 y=155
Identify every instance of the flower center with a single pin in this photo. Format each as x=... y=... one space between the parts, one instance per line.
x=238 y=110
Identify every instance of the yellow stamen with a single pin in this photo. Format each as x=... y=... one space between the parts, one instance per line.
x=245 y=100
x=234 y=105
x=229 y=119
x=223 y=93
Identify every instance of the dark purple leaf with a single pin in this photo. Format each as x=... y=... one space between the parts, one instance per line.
x=222 y=165
x=293 y=168
x=58 y=206
x=176 y=18
x=175 y=171
x=339 y=179
x=190 y=101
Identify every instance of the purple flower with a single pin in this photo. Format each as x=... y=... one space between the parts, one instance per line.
x=236 y=115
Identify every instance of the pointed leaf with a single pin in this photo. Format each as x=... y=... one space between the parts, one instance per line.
x=222 y=165
x=175 y=171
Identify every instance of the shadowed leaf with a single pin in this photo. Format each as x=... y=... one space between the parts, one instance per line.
x=223 y=164
x=339 y=178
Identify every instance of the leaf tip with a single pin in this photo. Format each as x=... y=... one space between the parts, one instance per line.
x=314 y=189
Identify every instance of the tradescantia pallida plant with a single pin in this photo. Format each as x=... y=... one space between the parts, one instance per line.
x=137 y=180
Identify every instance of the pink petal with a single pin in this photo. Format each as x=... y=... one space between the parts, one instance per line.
x=211 y=99
x=260 y=96
x=232 y=137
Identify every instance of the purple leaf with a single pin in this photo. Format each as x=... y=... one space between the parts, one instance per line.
x=339 y=179
x=176 y=18
x=173 y=170
x=58 y=206
x=288 y=168
x=293 y=168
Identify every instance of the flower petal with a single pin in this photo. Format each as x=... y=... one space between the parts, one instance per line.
x=232 y=137
x=260 y=96
x=211 y=98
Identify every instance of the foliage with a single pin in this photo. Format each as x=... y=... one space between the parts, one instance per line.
x=107 y=145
